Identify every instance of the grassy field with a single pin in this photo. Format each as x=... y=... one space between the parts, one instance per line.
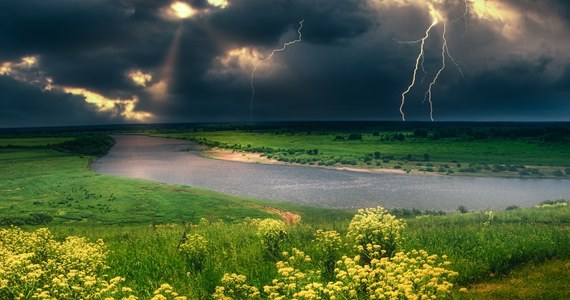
x=141 y=224
x=460 y=155
x=61 y=186
x=484 y=253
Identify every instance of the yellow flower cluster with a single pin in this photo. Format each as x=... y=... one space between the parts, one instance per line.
x=34 y=265
x=553 y=205
x=234 y=287
x=166 y=292
x=406 y=275
x=195 y=250
x=328 y=241
x=292 y=282
x=272 y=232
x=378 y=272
x=490 y=217
x=375 y=226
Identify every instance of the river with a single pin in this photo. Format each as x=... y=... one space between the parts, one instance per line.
x=170 y=161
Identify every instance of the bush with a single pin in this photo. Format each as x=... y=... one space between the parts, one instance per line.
x=328 y=245
x=31 y=219
x=88 y=144
x=272 y=234
x=354 y=136
x=195 y=250
x=375 y=227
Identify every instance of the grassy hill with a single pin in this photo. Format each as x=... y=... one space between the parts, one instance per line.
x=143 y=224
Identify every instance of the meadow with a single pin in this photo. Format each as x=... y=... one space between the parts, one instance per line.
x=145 y=227
x=545 y=152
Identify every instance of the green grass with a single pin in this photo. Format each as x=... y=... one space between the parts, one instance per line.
x=543 y=281
x=480 y=252
x=32 y=142
x=62 y=186
x=460 y=156
x=122 y=212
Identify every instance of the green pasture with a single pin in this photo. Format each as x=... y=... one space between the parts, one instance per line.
x=459 y=156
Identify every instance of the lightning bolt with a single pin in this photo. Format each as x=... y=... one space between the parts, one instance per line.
x=444 y=51
x=420 y=57
x=268 y=58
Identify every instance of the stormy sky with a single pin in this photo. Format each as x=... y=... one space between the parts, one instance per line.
x=70 y=62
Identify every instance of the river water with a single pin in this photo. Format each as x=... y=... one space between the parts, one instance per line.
x=169 y=161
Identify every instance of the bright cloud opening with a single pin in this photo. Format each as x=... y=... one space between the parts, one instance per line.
x=117 y=107
x=240 y=59
x=218 y=3
x=139 y=77
x=181 y=10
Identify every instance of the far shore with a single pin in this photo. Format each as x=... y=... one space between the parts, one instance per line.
x=257 y=158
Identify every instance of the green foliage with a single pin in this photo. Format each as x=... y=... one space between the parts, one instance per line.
x=506 y=150
x=329 y=249
x=31 y=219
x=375 y=227
x=272 y=234
x=195 y=250
x=94 y=144
x=355 y=136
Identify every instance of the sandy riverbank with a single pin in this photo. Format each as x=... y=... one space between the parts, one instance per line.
x=230 y=155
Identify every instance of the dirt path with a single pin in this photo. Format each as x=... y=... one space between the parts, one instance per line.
x=288 y=217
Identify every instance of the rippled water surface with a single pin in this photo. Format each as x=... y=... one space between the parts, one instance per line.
x=168 y=161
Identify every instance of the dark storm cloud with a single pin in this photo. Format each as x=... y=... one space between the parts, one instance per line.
x=260 y=22
x=23 y=105
x=349 y=65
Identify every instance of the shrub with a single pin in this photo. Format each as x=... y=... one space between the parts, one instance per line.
x=272 y=233
x=195 y=250
x=328 y=245
x=354 y=136
x=374 y=227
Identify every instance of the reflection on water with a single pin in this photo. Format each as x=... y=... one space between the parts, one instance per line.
x=167 y=160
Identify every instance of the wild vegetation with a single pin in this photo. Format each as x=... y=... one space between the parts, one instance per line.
x=119 y=238
x=484 y=151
